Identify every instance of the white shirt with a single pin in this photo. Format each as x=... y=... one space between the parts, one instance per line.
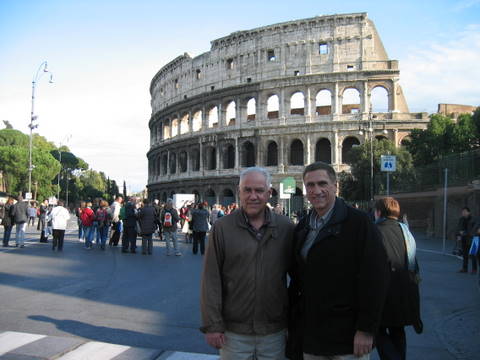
x=60 y=216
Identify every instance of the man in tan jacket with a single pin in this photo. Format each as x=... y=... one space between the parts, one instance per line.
x=244 y=283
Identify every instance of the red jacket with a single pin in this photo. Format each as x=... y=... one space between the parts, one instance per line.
x=87 y=217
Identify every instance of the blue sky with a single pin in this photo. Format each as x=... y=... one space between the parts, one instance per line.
x=103 y=55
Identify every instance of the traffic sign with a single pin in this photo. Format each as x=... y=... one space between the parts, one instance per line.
x=388 y=163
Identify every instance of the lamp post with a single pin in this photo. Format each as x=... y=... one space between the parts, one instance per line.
x=41 y=70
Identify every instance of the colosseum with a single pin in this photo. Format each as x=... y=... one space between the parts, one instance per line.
x=279 y=96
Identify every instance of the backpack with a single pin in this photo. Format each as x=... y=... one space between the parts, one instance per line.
x=102 y=217
x=167 y=219
x=87 y=217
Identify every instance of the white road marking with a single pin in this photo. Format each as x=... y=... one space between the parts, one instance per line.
x=11 y=340
x=95 y=350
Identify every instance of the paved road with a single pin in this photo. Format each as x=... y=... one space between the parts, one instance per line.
x=151 y=302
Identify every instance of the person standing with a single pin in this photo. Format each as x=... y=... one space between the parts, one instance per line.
x=129 y=238
x=169 y=219
x=78 y=213
x=41 y=220
x=102 y=218
x=7 y=221
x=116 y=223
x=200 y=218
x=32 y=214
x=465 y=228
x=340 y=275
x=88 y=217
x=244 y=281
x=146 y=218
x=60 y=217
x=20 y=216
x=402 y=306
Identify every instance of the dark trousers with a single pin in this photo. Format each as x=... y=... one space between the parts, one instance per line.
x=41 y=223
x=199 y=238
x=391 y=343
x=58 y=236
x=116 y=235
x=129 y=238
x=465 y=249
x=147 y=244
x=6 y=234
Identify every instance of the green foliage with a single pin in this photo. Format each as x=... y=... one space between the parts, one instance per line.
x=10 y=137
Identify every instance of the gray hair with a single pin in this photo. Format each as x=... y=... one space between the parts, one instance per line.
x=257 y=169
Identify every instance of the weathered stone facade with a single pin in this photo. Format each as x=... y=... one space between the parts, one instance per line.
x=279 y=96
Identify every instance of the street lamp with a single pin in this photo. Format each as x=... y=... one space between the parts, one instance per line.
x=41 y=70
x=368 y=128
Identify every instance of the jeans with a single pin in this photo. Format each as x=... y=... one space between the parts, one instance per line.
x=96 y=232
x=147 y=244
x=6 y=234
x=80 y=230
x=20 y=233
x=103 y=233
x=88 y=231
x=170 y=236
x=248 y=347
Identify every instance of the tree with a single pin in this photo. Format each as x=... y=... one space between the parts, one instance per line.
x=124 y=190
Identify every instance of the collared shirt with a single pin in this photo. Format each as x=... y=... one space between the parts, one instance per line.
x=316 y=223
x=258 y=233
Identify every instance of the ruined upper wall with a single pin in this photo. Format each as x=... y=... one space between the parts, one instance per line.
x=324 y=44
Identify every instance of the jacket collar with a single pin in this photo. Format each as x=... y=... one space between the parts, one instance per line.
x=242 y=219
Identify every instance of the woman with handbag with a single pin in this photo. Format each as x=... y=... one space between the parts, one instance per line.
x=402 y=305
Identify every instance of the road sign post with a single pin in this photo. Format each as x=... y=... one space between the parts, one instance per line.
x=388 y=164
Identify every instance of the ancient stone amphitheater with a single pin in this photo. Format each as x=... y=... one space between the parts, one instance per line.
x=279 y=96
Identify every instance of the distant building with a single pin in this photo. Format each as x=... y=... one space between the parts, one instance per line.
x=454 y=110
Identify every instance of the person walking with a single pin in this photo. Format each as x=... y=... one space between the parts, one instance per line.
x=87 y=218
x=60 y=217
x=244 y=297
x=146 y=218
x=20 y=217
x=402 y=305
x=41 y=220
x=129 y=239
x=200 y=218
x=116 y=223
x=102 y=218
x=465 y=232
x=340 y=276
x=169 y=219
x=7 y=221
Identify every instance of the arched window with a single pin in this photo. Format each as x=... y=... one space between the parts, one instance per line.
x=296 y=152
x=251 y=109
x=211 y=158
x=297 y=103
x=159 y=166
x=273 y=106
x=248 y=155
x=323 y=102
x=231 y=113
x=351 y=101
x=174 y=127
x=213 y=117
x=210 y=197
x=182 y=159
x=197 y=121
x=228 y=197
x=379 y=100
x=272 y=154
x=195 y=159
x=347 y=146
x=166 y=129
x=229 y=157
x=173 y=163
x=184 y=124
x=323 y=151
x=164 y=164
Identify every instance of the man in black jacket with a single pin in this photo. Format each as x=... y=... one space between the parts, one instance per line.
x=20 y=216
x=339 y=284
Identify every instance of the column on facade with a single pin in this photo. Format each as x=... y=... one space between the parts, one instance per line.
x=221 y=115
x=204 y=118
x=395 y=138
x=217 y=156
x=282 y=116
x=168 y=163
x=308 y=105
x=237 y=155
x=336 y=100
x=240 y=112
x=392 y=96
x=365 y=99
x=308 y=147
x=200 y=160
x=281 y=154
x=190 y=121
x=336 y=149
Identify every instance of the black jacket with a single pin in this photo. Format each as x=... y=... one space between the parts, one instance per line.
x=130 y=220
x=340 y=288
x=147 y=217
x=8 y=215
x=402 y=306
x=20 y=212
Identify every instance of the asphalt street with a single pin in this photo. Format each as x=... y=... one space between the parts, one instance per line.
x=152 y=302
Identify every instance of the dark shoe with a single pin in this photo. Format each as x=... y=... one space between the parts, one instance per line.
x=144 y=253
x=102 y=247
x=124 y=251
x=60 y=249
x=462 y=271
x=22 y=246
x=16 y=245
x=473 y=272
x=133 y=251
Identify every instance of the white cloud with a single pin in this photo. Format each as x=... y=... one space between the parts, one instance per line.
x=445 y=72
x=465 y=4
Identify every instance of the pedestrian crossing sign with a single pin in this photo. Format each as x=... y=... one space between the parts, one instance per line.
x=388 y=163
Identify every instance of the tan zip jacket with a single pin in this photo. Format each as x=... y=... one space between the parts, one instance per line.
x=244 y=281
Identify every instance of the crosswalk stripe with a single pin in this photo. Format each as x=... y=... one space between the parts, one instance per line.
x=177 y=355
x=95 y=351
x=11 y=340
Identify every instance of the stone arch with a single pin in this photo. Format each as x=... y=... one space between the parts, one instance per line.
x=210 y=196
x=381 y=137
x=183 y=161
x=173 y=163
x=158 y=165
x=296 y=153
x=323 y=102
x=251 y=109
x=164 y=163
x=347 y=145
x=231 y=113
x=228 y=197
x=405 y=140
x=197 y=120
x=273 y=106
x=166 y=129
x=297 y=103
x=195 y=159
x=323 y=151
x=272 y=154
x=229 y=157
x=379 y=99
x=351 y=101
x=184 y=124
x=210 y=158
x=175 y=127
x=248 y=154
x=212 y=116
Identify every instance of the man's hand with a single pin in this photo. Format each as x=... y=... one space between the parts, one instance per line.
x=216 y=340
x=362 y=343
